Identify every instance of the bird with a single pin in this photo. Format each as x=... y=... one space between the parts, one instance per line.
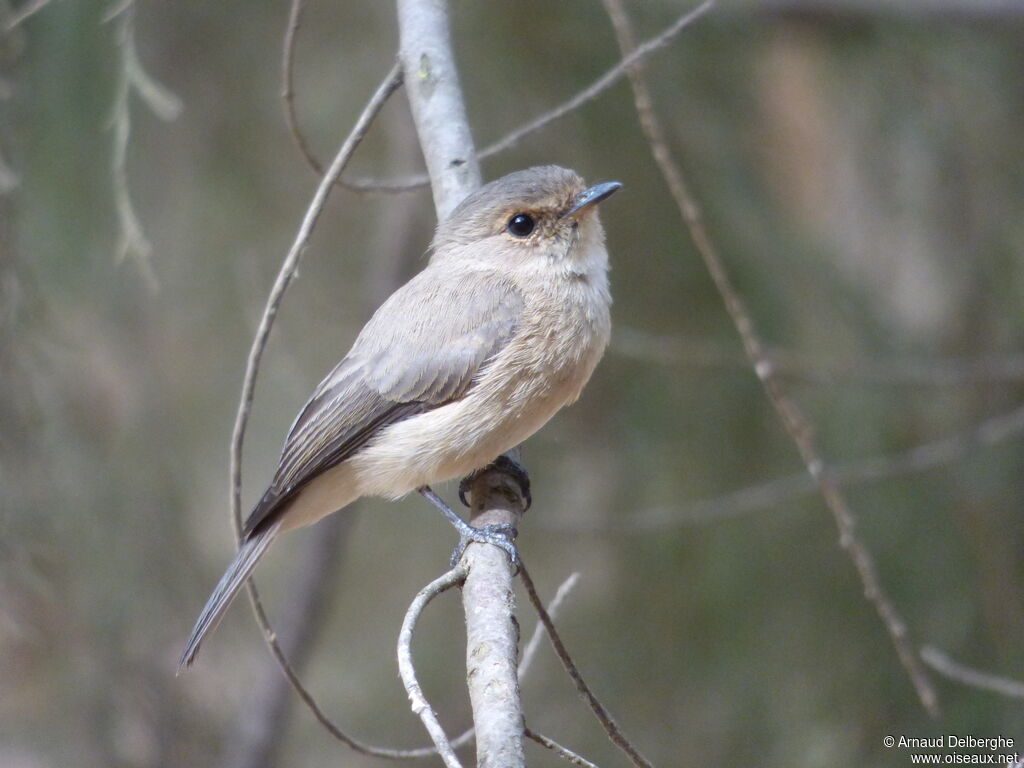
x=502 y=328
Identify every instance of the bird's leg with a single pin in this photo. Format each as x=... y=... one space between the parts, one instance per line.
x=505 y=464
x=499 y=535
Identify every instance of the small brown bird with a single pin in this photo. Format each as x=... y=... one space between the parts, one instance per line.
x=465 y=361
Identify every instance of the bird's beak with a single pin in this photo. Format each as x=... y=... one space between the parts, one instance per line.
x=593 y=196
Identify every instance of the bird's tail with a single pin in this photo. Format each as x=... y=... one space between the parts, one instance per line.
x=230 y=583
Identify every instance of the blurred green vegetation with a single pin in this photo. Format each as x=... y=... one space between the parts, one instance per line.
x=863 y=176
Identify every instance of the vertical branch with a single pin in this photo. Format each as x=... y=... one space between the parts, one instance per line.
x=492 y=632
x=432 y=83
x=488 y=597
x=793 y=419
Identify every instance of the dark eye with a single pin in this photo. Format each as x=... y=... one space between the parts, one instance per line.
x=521 y=225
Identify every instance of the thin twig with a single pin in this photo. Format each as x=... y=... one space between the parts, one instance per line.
x=165 y=105
x=920 y=458
x=975 y=678
x=563 y=752
x=406 y=669
x=288 y=85
x=530 y=652
x=940 y=372
x=30 y=8
x=291 y=119
x=284 y=279
x=796 y=424
x=603 y=716
x=599 y=86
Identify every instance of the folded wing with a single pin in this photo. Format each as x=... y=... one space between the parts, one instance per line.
x=422 y=349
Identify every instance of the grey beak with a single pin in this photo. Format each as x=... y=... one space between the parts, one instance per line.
x=593 y=196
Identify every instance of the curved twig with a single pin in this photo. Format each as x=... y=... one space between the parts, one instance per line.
x=284 y=278
x=618 y=738
x=793 y=419
x=407 y=670
x=288 y=85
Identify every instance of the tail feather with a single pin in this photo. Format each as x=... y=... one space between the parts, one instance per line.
x=231 y=582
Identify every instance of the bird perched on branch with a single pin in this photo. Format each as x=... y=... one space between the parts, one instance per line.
x=462 y=363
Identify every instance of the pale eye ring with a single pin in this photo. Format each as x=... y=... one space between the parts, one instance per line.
x=521 y=225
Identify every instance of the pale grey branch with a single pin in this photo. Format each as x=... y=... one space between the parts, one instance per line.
x=432 y=82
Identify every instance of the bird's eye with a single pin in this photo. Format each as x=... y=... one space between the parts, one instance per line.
x=521 y=225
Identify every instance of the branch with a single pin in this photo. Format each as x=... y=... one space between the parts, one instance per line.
x=530 y=652
x=165 y=105
x=488 y=597
x=288 y=86
x=946 y=667
x=603 y=716
x=436 y=100
x=595 y=89
x=793 y=419
x=940 y=372
x=566 y=754
x=30 y=8
x=920 y=458
x=492 y=633
x=419 y=702
x=531 y=648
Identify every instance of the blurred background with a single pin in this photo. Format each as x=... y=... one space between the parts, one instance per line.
x=861 y=169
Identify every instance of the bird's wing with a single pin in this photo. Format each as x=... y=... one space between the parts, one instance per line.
x=421 y=349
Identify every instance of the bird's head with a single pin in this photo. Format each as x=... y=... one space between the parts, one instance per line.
x=546 y=212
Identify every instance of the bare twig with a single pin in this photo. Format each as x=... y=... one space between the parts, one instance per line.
x=599 y=86
x=796 y=424
x=986 y=681
x=602 y=83
x=417 y=700
x=284 y=278
x=165 y=105
x=530 y=652
x=603 y=716
x=288 y=100
x=30 y=8
x=941 y=372
x=935 y=453
x=566 y=754
x=288 y=85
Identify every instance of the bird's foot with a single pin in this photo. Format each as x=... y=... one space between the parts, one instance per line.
x=507 y=465
x=501 y=535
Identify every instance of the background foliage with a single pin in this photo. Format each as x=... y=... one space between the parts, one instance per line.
x=861 y=171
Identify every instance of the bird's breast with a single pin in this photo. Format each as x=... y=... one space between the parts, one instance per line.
x=559 y=340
